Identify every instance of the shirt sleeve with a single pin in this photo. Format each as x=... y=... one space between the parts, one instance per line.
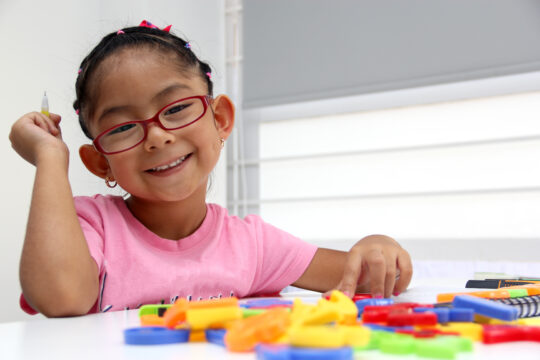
x=89 y=215
x=283 y=258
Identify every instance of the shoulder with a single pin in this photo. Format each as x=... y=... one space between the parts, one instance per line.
x=97 y=205
x=97 y=201
x=251 y=225
x=220 y=214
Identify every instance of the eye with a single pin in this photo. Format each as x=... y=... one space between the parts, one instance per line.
x=175 y=109
x=121 y=129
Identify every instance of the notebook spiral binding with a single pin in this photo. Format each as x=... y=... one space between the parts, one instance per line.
x=528 y=306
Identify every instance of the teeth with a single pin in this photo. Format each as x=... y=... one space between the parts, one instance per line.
x=173 y=164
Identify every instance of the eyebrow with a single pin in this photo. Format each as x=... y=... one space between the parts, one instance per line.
x=169 y=89
x=166 y=91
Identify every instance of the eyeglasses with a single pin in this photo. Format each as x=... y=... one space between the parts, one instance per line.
x=176 y=115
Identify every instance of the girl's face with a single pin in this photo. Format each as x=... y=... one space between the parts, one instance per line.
x=169 y=165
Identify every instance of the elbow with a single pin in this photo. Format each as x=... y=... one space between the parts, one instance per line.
x=62 y=306
x=61 y=302
x=64 y=309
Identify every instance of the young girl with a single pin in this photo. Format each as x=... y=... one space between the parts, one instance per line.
x=91 y=254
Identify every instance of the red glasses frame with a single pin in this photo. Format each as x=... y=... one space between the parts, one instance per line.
x=206 y=103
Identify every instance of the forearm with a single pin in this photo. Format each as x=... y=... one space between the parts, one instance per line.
x=324 y=272
x=58 y=275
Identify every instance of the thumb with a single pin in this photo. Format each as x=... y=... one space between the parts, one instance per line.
x=339 y=287
x=56 y=131
x=352 y=272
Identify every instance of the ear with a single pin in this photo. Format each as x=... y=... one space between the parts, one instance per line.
x=94 y=161
x=223 y=115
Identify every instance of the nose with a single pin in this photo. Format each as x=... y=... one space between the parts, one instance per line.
x=157 y=137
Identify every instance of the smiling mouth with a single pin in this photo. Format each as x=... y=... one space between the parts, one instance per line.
x=169 y=166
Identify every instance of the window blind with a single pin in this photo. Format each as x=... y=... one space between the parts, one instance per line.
x=304 y=50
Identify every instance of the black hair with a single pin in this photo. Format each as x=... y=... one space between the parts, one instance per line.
x=132 y=37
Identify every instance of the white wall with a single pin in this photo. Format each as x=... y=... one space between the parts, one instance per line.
x=42 y=44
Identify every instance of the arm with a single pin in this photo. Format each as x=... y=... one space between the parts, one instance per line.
x=58 y=276
x=371 y=265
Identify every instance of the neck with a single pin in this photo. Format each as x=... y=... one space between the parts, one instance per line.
x=171 y=220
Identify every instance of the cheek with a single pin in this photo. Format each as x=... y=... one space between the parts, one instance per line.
x=211 y=140
x=119 y=166
x=217 y=147
x=211 y=154
x=213 y=151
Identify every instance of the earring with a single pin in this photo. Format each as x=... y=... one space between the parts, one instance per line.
x=222 y=142
x=110 y=183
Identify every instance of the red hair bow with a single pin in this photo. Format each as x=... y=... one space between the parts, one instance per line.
x=148 y=24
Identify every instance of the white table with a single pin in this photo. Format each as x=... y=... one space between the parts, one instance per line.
x=100 y=336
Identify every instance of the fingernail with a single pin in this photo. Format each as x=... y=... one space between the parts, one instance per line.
x=396 y=293
x=347 y=293
x=377 y=296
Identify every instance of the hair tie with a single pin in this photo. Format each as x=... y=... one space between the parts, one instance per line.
x=188 y=45
x=119 y=32
x=148 y=24
x=209 y=75
x=80 y=70
x=77 y=111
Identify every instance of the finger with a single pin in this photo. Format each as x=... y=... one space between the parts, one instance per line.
x=377 y=272
x=405 y=268
x=52 y=127
x=56 y=125
x=351 y=272
x=40 y=121
x=390 y=277
x=55 y=118
x=327 y=294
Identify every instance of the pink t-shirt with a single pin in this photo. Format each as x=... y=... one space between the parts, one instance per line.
x=226 y=256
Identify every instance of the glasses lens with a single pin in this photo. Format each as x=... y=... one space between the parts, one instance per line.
x=122 y=137
x=181 y=113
